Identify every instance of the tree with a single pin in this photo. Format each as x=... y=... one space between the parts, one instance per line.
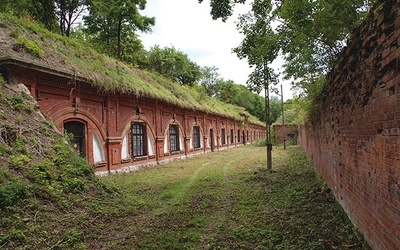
x=209 y=79
x=44 y=12
x=173 y=64
x=222 y=8
x=307 y=33
x=229 y=92
x=110 y=22
x=68 y=12
x=48 y=12
x=275 y=108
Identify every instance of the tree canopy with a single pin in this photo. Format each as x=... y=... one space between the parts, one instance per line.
x=173 y=64
x=111 y=22
x=307 y=33
x=111 y=28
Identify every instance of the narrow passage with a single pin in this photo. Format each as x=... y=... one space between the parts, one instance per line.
x=229 y=200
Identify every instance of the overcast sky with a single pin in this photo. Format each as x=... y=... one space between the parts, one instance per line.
x=188 y=26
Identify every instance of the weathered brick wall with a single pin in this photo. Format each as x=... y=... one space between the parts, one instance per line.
x=354 y=139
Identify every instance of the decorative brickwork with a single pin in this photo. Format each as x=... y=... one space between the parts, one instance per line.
x=122 y=133
x=354 y=137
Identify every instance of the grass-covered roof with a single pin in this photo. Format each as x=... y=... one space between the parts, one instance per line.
x=26 y=40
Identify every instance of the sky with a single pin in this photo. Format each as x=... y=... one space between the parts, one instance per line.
x=188 y=26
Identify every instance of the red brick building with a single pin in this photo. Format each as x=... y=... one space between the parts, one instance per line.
x=121 y=132
x=289 y=133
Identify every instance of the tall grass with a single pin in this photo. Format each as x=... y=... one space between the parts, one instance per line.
x=229 y=200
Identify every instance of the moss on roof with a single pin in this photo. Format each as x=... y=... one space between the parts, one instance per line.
x=26 y=40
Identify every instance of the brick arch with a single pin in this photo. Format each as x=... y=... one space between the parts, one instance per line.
x=182 y=135
x=91 y=127
x=191 y=125
x=136 y=119
x=69 y=114
x=149 y=131
x=172 y=121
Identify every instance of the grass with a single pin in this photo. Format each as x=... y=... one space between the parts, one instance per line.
x=50 y=198
x=31 y=41
x=228 y=200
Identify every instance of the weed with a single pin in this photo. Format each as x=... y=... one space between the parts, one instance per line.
x=31 y=46
x=17 y=32
x=17 y=102
x=71 y=238
x=2 y=81
x=12 y=192
x=18 y=161
x=4 y=173
x=21 y=146
x=2 y=114
x=49 y=123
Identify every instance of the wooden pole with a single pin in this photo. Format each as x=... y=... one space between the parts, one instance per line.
x=283 y=121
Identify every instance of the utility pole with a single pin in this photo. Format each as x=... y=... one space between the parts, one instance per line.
x=283 y=121
x=268 y=118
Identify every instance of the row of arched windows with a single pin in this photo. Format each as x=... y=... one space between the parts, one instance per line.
x=139 y=140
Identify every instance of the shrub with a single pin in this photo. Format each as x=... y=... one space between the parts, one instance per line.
x=11 y=193
x=17 y=102
x=17 y=161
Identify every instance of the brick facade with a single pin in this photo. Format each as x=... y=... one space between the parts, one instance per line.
x=106 y=120
x=289 y=133
x=353 y=139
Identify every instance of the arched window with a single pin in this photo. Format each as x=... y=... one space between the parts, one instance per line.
x=174 y=138
x=77 y=132
x=196 y=137
x=223 y=136
x=139 y=139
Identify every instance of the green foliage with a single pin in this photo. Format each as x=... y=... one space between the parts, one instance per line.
x=71 y=237
x=308 y=34
x=12 y=192
x=111 y=23
x=275 y=108
x=17 y=102
x=229 y=92
x=2 y=82
x=209 y=80
x=68 y=11
x=19 y=161
x=16 y=33
x=4 y=173
x=21 y=146
x=234 y=202
x=112 y=76
x=31 y=46
x=173 y=64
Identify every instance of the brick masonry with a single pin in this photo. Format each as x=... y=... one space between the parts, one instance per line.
x=353 y=139
x=107 y=120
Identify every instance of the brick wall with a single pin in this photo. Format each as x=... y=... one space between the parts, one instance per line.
x=354 y=139
x=106 y=119
x=289 y=133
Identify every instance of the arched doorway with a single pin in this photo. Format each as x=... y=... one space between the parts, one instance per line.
x=77 y=132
